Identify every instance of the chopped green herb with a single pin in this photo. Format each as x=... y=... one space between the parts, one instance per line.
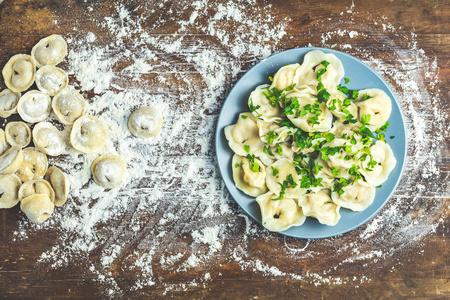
x=267 y=150
x=287 y=183
x=247 y=148
x=271 y=136
x=332 y=107
x=251 y=106
x=354 y=171
x=279 y=150
x=346 y=80
x=244 y=116
x=323 y=95
x=339 y=185
x=328 y=136
x=275 y=171
x=325 y=152
x=254 y=166
x=335 y=172
x=270 y=77
x=392 y=137
x=365 y=97
x=292 y=106
x=365 y=119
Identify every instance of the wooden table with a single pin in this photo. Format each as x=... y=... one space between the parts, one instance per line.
x=422 y=271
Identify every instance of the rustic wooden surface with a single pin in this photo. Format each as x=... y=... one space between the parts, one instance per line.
x=419 y=275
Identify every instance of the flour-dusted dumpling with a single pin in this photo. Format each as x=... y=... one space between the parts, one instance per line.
x=145 y=122
x=18 y=134
x=68 y=105
x=3 y=143
x=285 y=76
x=314 y=62
x=307 y=113
x=38 y=186
x=8 y=102
x=9 y=188
x=342 y=107
x=356 y=196
x=50 y=50
x=34 y=106
x=243 y=137
x=108 y=170
x=33 y=166
x=89 y=134
x=261 y=107
x=48 y=139
x=282 y=179
x=19 y=73
x=320 y=206
x=374 y=105
x=271 y=133
x=60 y=184
x=279 y=215
x=249 y=175
x=38 y=207
x=51 y=79
x=377 y=166
x=11 y=160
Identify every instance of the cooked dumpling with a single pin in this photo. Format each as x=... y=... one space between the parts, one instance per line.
x=279 y=215
x=313 y=64
x=38 y=207
x=108 y=170
x=377 y=166
x=33 y=166
x=50 y=50
x=8 y=102
x=34 y=106
x=243 y=137
x=51 y=79
x=60 y=184
x=342 y=107
x=89 y=134
x=377 y=107
x=249 y=175
x=38 y=186
x=18 y=134
x=3 y=144
x=272 y=133
x=68 y=105
x=9 y=187
x=11 y=160
x=19 y=73
x=285 y=76
x=282 y=179
x=356 y=196
x=48 y=139
x=320 y=206
x=145 y=122
x=261 y=106
x=308 y=113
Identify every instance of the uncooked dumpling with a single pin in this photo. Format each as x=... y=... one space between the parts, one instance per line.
x=145 y=122
x=8 y=102
x=320 y=206
x=89 y=134
x=9 y=187
x=249 y=176
x=51 y=79
x=18 y=134
x=279 y=215
x=3 y=143
x=60 y=184
x=37 y=207
x=108 y=170
x=68 y=105
x=11 y=160
x=33 y=166
x=38 y=186
x=34 y=106
x=19 y=73
x=48 y=139
x=50 y=50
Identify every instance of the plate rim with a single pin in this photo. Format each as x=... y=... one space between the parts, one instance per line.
x=218 y=133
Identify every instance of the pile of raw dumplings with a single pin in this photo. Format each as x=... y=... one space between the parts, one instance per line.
x=25 y=176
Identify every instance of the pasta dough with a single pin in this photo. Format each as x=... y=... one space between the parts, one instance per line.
x=37 y=207
x=33 y=166
x=59 y=183
x=279 y=215
x=251 y=182
x=38 y=186
x=108 y=170
x=49 y=51
x=18 y=134
x=19 y=73
x=48 y=139
x=89 y=134
x=145 y=122
x=34 y=106
x=68 y=105
x=8 y=103
x=9 y=187
x=51 y=79
x=320 y=206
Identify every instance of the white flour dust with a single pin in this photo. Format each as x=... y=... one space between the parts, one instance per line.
x=174 y=213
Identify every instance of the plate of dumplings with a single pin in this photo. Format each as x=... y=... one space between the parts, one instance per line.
x=311 y=143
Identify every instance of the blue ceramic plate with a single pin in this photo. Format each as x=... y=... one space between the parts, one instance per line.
x=361 y=77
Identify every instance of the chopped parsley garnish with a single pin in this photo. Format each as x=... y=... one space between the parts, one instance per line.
x=365 y=97
x=287 y=183
x=365 y=119
x=253 y=165
x=271 y=136
x=339 y=184
x=352 y=94
x=266 y=150
x=346 y=80
x=251 y=106
x=286 y=123
x=270 y=78
x=279 y=150
x=323 y=95
x=247 y=148
x=292 y=106
x=325 y=152
x=244 y=117
x=335 y=172
x=354 y=171
x=328 y=136
x=275 y=171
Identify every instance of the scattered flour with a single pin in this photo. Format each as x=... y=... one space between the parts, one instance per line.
x=174 y=213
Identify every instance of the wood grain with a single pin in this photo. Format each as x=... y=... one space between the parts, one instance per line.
x=421 y=272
